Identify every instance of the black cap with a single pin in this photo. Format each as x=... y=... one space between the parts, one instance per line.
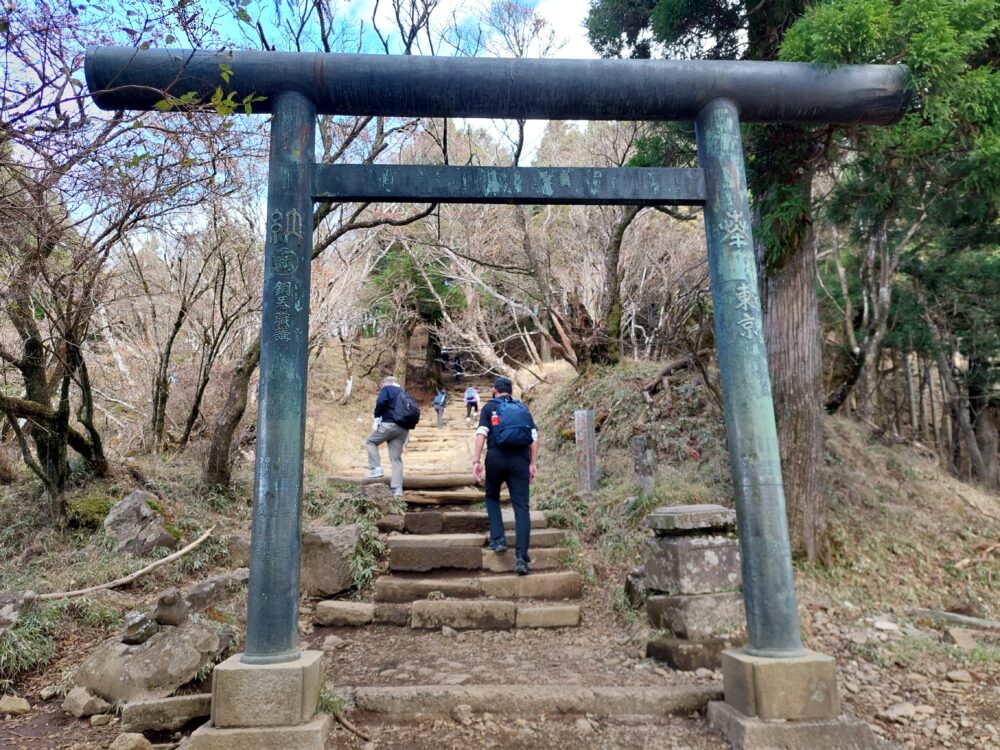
x=503 y=385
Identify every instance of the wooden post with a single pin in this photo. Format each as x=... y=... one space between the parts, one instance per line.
x=586 y=450
x=644 y=459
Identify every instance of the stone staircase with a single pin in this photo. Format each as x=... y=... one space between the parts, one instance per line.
x=440 y=572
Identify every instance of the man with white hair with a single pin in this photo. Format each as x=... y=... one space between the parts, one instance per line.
x=387 y=428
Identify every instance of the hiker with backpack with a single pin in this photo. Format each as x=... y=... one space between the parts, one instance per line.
x=471 y=403
x=508 y=431
x=396 y=413
x=439 y=402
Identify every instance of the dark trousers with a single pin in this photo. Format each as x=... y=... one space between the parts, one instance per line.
x=471 y=406
x=511 y=468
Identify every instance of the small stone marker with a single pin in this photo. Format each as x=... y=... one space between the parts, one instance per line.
x=692 y=583
x=644 y=460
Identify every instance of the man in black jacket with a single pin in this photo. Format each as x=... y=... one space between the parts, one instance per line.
x=514 y=461
x=385 y=430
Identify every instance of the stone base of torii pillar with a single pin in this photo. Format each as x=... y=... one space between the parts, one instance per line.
x=785 y=703
x=265 y=706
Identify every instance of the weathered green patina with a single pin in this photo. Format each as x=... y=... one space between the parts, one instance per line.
x=716 y=94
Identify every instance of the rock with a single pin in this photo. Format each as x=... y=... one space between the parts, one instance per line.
x=899 y=712
x=678 y=519
x=332 y=642
x=100 y=720
x=583 y=726
x=344 y=614
x=49 y=692
x=885 y=625
x=206 y=593
x=154 y=669
x=959 y=675
x=463 y=714
x=704 y=673
x=14 y=706
x=171 y=607
x=139 y=628
x=380 y=496
x=80 y=702
x=326 y=559
x=446 y=630
x=12 y=605
x=135 y=527
x=635 y=588
x=131 y=741
x=238 y=549
x=961 y=637
x=166 y=714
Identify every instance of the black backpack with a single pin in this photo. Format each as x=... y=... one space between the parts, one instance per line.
x=405 y=411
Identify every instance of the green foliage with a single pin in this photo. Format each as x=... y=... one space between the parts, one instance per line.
x=29 y=645
x=332 y=700
x=421 y=282
x=89 y=511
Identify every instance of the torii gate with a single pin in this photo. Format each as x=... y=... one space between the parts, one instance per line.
x=716 y=95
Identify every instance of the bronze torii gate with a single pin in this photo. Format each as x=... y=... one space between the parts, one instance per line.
x=716 y=95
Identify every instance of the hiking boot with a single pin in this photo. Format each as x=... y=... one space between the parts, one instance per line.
x=521 y=566
x=375 y=473
x=499 y=546
x=397 y=491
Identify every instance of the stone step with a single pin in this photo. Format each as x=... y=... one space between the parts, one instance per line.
x=460 y=614
x=423 y=552
x=533 y=700
x=558 y=585
x=539 y=538
x=441 y=522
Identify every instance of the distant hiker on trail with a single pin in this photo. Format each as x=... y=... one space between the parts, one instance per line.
x=471 y=403
x=439 y=402
x=459 y=369
x=396 y=413
x=509 y=432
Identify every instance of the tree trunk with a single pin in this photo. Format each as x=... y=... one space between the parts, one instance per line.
x=219 y=467
x=792 y=332
x=161 y=384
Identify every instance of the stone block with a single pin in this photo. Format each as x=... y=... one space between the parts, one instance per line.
x=391 y=614
x=391 y=589
x=309 y=736
x=688 y=656
x=750 y=733
x=692 y=565
x=698 y=616
x=544 y=558
x=325 y=567
x=539 y=538
x=390 y=523
x=562 y=616
x=635 y=588
x=421 y=559
x=564 y=585
x=166 y=714
x=463 y=615
x=792 y=688
x=266 y=695
x=682 y=519
x=437 y=541
x=344 y=614
x=424 y=522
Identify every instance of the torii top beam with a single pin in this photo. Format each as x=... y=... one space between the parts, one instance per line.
x=413 y=86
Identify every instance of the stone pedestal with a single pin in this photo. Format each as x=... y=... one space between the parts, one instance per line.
x=750 y=733
x=265 y=706
x=785 y=703
x=692 y=579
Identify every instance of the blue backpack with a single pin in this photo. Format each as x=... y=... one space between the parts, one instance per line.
x=514 y=429
x=439 y=399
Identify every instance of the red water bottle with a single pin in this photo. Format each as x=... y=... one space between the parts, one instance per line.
x=495 y=419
